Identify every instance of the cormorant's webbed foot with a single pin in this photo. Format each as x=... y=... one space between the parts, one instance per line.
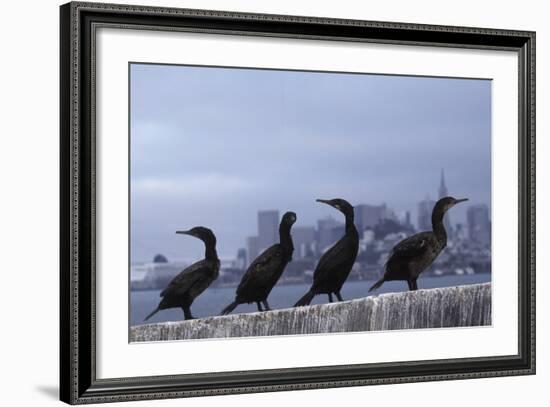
x=413 y=286
x=259 y=306
x=187 y=313
x=330 y=299
x=266 y=305
x=339 y=296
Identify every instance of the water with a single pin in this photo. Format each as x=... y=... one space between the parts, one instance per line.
x=213 y=300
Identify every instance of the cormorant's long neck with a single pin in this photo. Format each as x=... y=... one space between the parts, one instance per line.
x=285 y=237
x=350 y=224
x=210 y=251
x=438 y=226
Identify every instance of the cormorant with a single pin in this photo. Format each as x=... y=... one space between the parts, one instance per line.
x=335 y=265
x=264 y=272
x=191 y=282
x=413 y=255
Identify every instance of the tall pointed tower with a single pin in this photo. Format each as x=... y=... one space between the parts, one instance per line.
x=443 y=192
x=442 y=187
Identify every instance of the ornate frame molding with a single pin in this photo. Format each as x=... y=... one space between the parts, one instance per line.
x=78 y=380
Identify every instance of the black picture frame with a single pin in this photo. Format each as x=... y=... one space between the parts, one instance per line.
x=78 y=382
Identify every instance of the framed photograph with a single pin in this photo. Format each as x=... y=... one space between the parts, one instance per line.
x=255 y=203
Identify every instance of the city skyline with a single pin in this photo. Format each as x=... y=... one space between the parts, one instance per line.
x=329 y=229
x=268 y=224
x=476 y=214
x=334 y=220
x=213 y=146
x=468 y=249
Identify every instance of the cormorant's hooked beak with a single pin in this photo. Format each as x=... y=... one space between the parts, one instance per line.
x=184 y=232
x=460 y=200
x=330 y=202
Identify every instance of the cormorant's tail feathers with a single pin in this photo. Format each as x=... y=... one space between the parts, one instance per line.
x=377 y=284
x=151 y=314
x=229 y=308
x=306 y=299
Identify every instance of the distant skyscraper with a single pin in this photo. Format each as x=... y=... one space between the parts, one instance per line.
x=425 y=208
x=325 y=229
x=252 y=248
x=443 y=192
x=268 y=229
x=241 y=261
x=408 y=219
x=368 y=216
x=479 y=224
x=304 y=241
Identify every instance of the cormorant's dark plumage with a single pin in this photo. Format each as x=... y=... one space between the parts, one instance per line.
x=413 y=255
x=335 y=265
x=191 y=282
x=264 y=272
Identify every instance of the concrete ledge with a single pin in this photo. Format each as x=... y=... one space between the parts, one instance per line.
x=467 y=305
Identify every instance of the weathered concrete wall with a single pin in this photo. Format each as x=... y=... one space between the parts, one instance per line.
x=468 y=305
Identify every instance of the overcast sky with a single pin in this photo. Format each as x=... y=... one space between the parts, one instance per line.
x=212 y=146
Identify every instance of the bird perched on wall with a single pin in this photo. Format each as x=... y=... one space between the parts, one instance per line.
x=264 y=272
x=416 y=253
x=191 y=282
x=335 y=265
